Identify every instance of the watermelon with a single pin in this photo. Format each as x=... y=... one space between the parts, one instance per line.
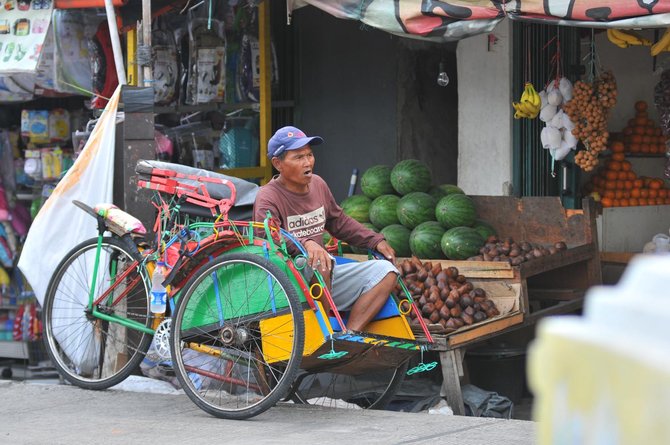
x=484 y=229
x=397 y=236
x=383 y=211
x=410 y=176
x=415 y=208
x=455 y=210
x=459 y=243
x=360 y=250
x=358 y=207
x=376 y=181
x=440 y=191
x=425 y=239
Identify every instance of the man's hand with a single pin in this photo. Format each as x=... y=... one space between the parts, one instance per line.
x=318 y=258
x=385 y=249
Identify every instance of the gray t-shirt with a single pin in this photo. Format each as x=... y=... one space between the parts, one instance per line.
x=307 y=215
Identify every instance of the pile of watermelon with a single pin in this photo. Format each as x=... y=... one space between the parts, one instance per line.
x=416 y=217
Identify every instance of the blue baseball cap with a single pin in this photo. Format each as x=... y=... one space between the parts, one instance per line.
x=289 y=138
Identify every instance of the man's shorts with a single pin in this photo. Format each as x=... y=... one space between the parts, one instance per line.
x=351 y=280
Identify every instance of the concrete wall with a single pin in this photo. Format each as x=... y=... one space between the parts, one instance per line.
x=485 y=117
x=346 y=93
x=374 y=98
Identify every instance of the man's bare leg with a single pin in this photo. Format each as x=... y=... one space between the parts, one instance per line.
x=368 y=304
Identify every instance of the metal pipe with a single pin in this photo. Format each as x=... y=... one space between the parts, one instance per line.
x=116 y=42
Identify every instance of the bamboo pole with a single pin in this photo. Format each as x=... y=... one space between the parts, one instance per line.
x=146 y=40
x=116 y=42
x=265 y=92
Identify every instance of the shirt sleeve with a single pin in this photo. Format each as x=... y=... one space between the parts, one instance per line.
x=266 y=201
x=344 y=227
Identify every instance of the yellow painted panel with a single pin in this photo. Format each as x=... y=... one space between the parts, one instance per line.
x=278 y=346
x=396 y=327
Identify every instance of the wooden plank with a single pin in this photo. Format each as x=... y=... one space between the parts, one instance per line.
x=558 y=309
x=557 y=260
x=556 y=294
x=451 y=362
x=617 y=257
x=457 y=339
x=471 y=269
x=535 y=219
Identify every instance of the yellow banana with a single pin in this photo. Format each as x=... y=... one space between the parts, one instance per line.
x=616 y=40
x=630 y=37
x=519 y=114
x=524 y=95
x=662 y=44
x=534 y=96
x=527 y=108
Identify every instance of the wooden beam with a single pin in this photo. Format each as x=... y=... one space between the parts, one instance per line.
x=617 y=257
x=484 y=331
x=265 y=90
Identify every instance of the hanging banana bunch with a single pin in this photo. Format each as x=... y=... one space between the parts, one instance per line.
x=530 y=104
x=663 y=44
x=623 y=38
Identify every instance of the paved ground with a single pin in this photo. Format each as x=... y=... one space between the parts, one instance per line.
x=60 y=414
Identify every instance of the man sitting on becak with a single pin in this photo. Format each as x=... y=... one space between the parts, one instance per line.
x=303 y=205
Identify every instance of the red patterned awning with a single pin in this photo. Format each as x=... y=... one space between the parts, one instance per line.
x=457 y=19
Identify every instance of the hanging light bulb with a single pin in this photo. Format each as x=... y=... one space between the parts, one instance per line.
x=442 y=77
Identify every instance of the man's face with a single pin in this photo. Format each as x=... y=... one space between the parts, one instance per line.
x=297 y=166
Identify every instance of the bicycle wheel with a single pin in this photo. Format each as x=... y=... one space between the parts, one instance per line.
x=373 y=390
x=237 y=336
x=87 y=351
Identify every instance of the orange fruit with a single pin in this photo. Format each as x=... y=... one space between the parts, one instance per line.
x=640 y=106
x=634 y=202
x=644 y=193
x=606 y=202
x=617 y=147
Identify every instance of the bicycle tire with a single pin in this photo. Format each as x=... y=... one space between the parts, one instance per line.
x=226 y=367
x=371 y=391
x=87 y=351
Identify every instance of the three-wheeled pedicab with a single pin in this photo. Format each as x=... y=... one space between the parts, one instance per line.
x=243 y=330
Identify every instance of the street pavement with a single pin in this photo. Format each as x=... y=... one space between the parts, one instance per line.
x=32 y=413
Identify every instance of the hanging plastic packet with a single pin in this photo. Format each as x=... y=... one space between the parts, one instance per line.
x=35 y=126
x=33 y=164
x=52 y=161
x=71 y=30
x=59 y=125
x=238 y=143
x=207 y=62
x=165 y=65
x=248 y=69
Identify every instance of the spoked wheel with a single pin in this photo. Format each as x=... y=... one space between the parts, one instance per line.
x=237 y=336
x=87 y=351
x=373 y=390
